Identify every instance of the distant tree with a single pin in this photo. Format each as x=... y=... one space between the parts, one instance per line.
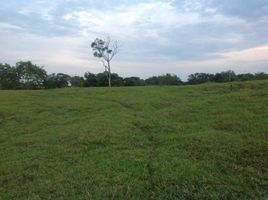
x=245 y=77
x=9 y=78
x=218 y=77
x=77 y=81
x=116 y=80
x=105 y=50
x=167 y=79
x=152 y=80
x=51 y=81
x=226 y=76
x=90 y=80
x=59 y=80
x=30 y=76
x=26 y=75
x=261 y=76
x=63 y=80
x=198 y=78
x=133 y=81
x=102 y=81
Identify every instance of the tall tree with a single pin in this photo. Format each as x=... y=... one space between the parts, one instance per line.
x=77 y=81
x=59 y=80
x=30 y=75
x=9 y=78
x=90 y=80
x=105 y=50
x=63 y=80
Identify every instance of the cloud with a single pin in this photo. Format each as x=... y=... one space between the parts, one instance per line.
x=251 y=10
x=251 y=55
x=157 y=36
x=5 y=27
x=42 y=9
x=143 y=20
x=57 y=54
x=160 y=29
x=250 y=60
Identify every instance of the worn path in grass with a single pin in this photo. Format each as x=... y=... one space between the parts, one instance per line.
x=185 y=142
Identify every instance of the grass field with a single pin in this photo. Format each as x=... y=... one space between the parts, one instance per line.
x=183 y=142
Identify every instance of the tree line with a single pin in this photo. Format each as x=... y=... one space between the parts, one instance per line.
x=227 y=76
x=26 y=75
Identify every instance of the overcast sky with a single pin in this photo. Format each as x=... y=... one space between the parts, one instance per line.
x=156 y=37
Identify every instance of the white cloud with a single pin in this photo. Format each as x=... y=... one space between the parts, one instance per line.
x=230 y=38
x=70 y=55
x=245 y=61
x=39 y=8
x=143 y=20
x=57 y=54
x=157 y=36
x=4 y=27
x=253 y=55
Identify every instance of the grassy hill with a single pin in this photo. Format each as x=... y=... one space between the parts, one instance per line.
x=184 y=142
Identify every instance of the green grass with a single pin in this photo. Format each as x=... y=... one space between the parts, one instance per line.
x=182 y=142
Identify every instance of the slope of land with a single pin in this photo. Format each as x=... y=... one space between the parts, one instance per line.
x=207 y=141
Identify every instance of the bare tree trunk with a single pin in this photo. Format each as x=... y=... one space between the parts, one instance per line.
x=109 y=75
x=105 y=50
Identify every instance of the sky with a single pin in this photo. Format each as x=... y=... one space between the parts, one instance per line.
x=155 y=37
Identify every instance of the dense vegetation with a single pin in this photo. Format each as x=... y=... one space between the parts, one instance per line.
x=182 y=142
x=26 y=75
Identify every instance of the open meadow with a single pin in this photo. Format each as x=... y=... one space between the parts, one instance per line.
x=206 y=141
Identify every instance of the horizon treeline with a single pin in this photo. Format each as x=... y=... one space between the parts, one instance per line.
x=25 y=75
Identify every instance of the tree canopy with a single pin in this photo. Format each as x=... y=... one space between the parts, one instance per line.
x=105 y=50
x=26 y=75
